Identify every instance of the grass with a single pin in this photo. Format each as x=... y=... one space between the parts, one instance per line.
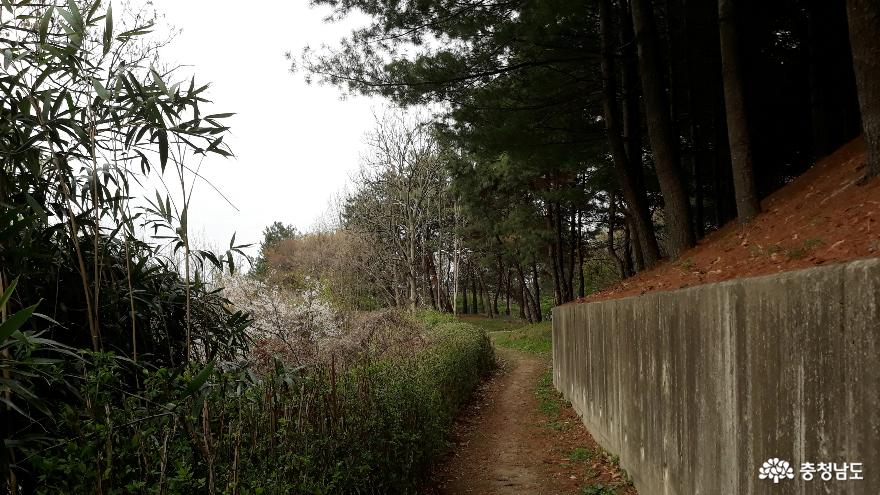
x=550 y=401
x=793 y=252
x=805 y=248
x=494 y=324
x=598 y=489
x=581 y=454
x=535 y=339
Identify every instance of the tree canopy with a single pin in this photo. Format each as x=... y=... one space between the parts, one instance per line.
x=659 y=119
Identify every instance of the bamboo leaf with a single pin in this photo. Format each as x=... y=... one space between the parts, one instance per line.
x=44 y=24
x=102 y=91
x=92 y=10
x=49 y=319
x=108 y=29
x=78 y=24
x=14 y=407
x=56 y=106
x=70 y=18
x=157 y=78
x=41 y=213
x=163 y=148
x=15 y=322
x=196 y=383
x=47 y=106
x=8 y=292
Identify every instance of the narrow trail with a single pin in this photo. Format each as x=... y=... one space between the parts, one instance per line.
x=499 y=449
x=506 y=441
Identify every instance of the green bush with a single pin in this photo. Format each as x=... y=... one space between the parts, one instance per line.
x=432 y=317
x=372 y=428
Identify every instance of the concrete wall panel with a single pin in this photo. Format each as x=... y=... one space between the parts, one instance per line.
x=696 y=388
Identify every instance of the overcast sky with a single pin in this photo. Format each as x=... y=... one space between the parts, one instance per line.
x=296 y=145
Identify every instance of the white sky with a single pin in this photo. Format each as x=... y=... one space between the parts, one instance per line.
x=296 y=145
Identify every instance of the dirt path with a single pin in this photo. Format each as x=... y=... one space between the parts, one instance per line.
x=505 y=444
x=496 y=448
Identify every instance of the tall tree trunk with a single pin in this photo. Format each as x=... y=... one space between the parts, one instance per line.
x=572 y=251
x=498 y=287
x=554 y=257
x=663 y=140
x=526 y=305
x=455 y=259
x=530 y=307
x=554 y=264
x=702 y=48
x=560 y=250
x=412 y=277
x=560 y=254
x=495 y=301
x=834 y=104
x=560 y=242
x=485 y=298
x=464 y=297
x=723 y=195
x=395 y=274
x=612 y=219
x=624 y=170
x=638 y=261
x=430 y=279
x=699 y=208
x=439 y=268
x=864 y=36
x=681 y=93
x=475 y=307
x=507 y=293
x=580 y=248
x=632 y=136
x=747 y=203
x=627 y=245
x=629 y=81
x=679 y=90
x=443 y=290
x=536 y=283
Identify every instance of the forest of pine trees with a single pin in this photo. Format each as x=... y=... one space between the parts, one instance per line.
x=626 y=128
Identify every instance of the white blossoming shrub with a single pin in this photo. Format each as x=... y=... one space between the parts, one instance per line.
x=287 y=325
x=376 y=335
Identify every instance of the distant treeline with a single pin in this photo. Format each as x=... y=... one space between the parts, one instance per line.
x=578 y=130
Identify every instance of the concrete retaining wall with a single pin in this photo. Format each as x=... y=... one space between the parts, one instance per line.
x=696 y=388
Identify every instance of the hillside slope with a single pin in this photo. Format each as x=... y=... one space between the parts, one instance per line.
x=821 y=217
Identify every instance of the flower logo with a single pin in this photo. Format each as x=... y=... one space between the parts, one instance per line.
x=775 y=469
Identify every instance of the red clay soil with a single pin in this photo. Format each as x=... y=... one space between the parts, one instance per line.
x=503 y=443
x=821 y=217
